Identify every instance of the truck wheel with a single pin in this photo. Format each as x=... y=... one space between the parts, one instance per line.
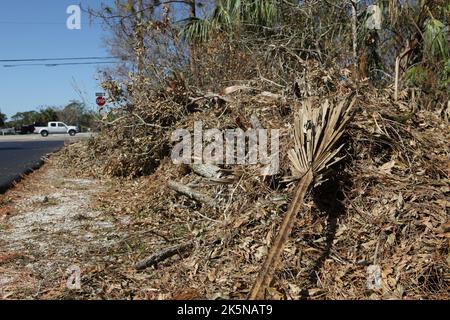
x=72 y=133
x=44 y=133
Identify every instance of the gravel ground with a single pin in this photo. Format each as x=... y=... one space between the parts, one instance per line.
x=47 y=229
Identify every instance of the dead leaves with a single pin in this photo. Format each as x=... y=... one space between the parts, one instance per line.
x=395 y=198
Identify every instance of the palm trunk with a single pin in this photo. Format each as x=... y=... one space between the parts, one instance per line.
x=266 y=274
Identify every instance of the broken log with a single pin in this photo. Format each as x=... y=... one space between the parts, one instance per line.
x=206 y=170
x=255 y=122
x=191 y=193
x=268 y=97
x=163 y=255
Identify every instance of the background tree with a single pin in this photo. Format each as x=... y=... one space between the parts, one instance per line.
x=76 y=113
x=2 y=119
x=141 y=36
x=25 y=118
x=203 y=44
x=47 y=114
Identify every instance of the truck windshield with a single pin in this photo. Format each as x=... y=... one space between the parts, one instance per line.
x=61 y=125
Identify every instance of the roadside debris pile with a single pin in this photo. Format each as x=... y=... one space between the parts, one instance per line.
x=376 y=227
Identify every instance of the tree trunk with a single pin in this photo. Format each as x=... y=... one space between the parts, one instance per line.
x=354 y=4
x=192 y=48
x=139 y=46
x=191 y=193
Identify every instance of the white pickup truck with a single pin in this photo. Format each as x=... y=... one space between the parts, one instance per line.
x=56 y=127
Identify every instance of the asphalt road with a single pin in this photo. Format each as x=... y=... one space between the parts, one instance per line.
x=19 y=155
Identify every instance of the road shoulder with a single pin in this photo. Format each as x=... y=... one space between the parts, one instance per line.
x=49 y=229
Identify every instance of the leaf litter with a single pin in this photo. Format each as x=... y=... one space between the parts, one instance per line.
x=376 y=228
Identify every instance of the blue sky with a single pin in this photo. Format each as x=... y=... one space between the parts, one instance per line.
x=37 y=29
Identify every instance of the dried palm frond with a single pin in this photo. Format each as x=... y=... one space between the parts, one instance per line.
x=316 y=132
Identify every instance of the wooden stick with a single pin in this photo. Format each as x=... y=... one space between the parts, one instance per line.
x=397 y=67
x=191 y=193
x=163 y=255
x=354 y=7
x=270 y=264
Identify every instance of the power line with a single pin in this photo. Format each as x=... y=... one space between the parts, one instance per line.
x=40 y=23
x=56 y=64
x=59 y=59
x=29 y=22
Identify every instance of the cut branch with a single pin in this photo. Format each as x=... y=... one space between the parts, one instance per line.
x=163 y=255
x=206 y=170
x=191 y=193
x=254 y=120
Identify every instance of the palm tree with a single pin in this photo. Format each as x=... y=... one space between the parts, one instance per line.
x=429 y=58
x=230 y=15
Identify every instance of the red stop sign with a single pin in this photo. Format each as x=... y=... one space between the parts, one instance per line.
x=100 y=101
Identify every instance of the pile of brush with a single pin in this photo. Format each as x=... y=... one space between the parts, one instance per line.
x=359 y=208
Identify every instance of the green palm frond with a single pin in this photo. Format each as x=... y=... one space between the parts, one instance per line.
x=435 y=39
x=255 y=12
x=262 y=12
x=197 y=30
x=222 y=18
x=232 y=14
x=233 y=7
x=416 y=76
